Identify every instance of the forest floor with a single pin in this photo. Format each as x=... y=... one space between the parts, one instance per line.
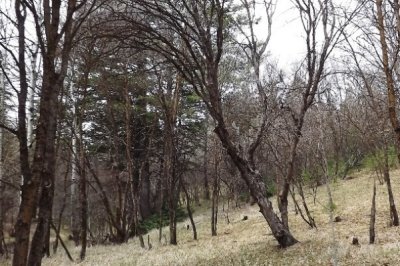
x=250 y=242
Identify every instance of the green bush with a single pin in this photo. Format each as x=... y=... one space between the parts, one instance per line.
x=373 y=161
x=153 y=221
x=244 y=196
x=331 y=207
x=271 y=187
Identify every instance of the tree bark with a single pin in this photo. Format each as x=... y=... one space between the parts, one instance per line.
x=134 y=163
x=106 y=202
x=40 y=177
x=146 y=207
x=83 y=199
x=2 y=187
x=214 y=207
x=388 y=69
x=171 y=182
x=373 y=214
x=305 y=206
x=309 y=220
x=44 y=162
x=205 y=163
x=74 y=206
x=394 y=217
x=31 y=95
x=160 y=188
x=61 y=211
x=215 y=191
x=189 y=209
x=29 y=188
x=285 y=187
x=57 y=232
x=170 y=104
x=172 y=220
x=2 y=248
x=258 y=190
x=251 y=176
x=139 y=150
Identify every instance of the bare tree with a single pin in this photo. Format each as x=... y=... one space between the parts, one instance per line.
x=55 y=31
x=169 y=91
x=389 y=63
x=201 y=27
x=380 y=139
x=315 y=18
x=373 y=216
x=2 y=186
x=216 y=163
x=74 y=225
x=134 y=186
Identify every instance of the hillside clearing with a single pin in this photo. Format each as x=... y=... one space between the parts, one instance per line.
x=250 y=243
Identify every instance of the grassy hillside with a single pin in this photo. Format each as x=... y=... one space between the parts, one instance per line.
x=250 y=242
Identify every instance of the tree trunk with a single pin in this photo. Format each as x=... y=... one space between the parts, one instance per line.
x=214 y=207
x=189 y=210
x=44 y=164
x=160 y=189
x=388 y=69
x=172 y=206
x=31 y=95
x=106 y=203
x=134 y=162
x=285 y=187
x=258 y=190
x=394 y=217
x=61 y=212
x=57 y=232
x=2 y=248
x=172 y=220
x=196 y=196
x=2 y=188
x=41 y=235
x=205 y=164
x=145 y=192
x=74 y=180
x=31 y=183
x=23 y=224
x=83 y=199
x=308 y=220
x=160 y=224
x=305 y=206
x=215 y=193
x=41 y=175
x=283 y=203
x=373 y=214
x=138 y=230
x=170 y=103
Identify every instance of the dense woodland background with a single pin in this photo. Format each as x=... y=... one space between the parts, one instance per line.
x=119 y=117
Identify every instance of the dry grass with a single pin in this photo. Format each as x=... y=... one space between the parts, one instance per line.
x=250 y=243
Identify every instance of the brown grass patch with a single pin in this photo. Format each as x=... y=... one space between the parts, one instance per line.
x=251 y=243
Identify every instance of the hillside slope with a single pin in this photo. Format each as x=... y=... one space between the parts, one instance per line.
x=250 y=242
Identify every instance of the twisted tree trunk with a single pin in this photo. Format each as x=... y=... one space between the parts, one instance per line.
x=258 y=191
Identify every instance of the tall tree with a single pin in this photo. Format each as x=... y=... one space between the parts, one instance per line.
x=170 y=86
x=55 y=30
x=2 y=187
x=380 y=140
x=316 y=18
x=201 y=30
x=388 y=16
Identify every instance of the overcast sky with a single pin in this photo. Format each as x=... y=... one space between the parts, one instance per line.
x=287 y=44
